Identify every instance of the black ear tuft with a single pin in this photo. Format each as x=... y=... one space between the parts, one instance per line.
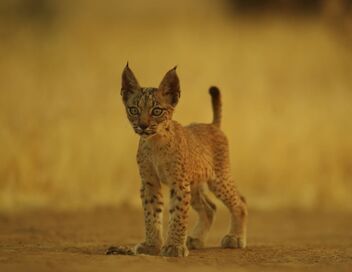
x=170 y=87
x=129 y=83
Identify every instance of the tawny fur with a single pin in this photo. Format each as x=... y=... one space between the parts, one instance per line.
x=185 y=158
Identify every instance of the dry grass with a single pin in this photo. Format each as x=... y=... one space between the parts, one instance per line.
x=287 y=91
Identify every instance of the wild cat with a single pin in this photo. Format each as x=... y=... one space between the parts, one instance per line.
x=185 y=158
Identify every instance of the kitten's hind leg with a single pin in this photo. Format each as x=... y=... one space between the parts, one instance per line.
x=205 y=209
x=227 y=192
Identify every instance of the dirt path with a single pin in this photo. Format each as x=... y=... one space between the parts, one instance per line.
x=283 y=241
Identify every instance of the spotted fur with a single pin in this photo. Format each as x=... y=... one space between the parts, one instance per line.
x=185 y=159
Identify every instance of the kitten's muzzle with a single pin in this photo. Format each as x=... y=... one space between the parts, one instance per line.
x=143 y=126
x=144 y=131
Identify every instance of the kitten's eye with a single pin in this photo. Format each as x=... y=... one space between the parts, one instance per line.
x=157 y=111
x=133 y=110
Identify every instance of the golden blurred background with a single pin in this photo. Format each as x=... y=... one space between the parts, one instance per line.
x=284 y=68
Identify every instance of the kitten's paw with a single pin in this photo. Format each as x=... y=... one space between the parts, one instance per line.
x=194 y=243
x=120 y=250
x=144 y=248
x=231 y=241
x=174 y=251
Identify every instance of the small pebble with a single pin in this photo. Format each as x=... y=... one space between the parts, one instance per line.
x=120 y=250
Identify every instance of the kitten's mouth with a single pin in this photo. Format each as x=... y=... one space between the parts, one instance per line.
x=146 y=133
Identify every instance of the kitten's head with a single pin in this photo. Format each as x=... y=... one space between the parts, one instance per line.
x=149 y=109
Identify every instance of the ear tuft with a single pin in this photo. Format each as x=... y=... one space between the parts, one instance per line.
x=129 y=83
x=170 y=87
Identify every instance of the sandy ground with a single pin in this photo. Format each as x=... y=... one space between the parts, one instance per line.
x=77 y=241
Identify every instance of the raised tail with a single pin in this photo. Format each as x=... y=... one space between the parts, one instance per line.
x=216 y=103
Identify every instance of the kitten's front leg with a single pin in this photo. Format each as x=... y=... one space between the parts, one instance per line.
x=180 y=198
x=152 y=204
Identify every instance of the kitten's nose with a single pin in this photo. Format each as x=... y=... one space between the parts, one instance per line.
x=143 y=126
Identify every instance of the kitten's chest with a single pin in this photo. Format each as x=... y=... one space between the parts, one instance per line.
x=161 y=157
x=163 y=162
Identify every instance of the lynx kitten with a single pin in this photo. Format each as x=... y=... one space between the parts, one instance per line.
x=185 y=159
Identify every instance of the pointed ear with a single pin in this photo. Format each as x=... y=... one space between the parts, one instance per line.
x=130 y=84
x=170 y=87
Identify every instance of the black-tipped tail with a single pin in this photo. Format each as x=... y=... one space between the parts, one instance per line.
x=216 y=103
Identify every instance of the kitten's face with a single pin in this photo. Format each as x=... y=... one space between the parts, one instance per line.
x=149 y=109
